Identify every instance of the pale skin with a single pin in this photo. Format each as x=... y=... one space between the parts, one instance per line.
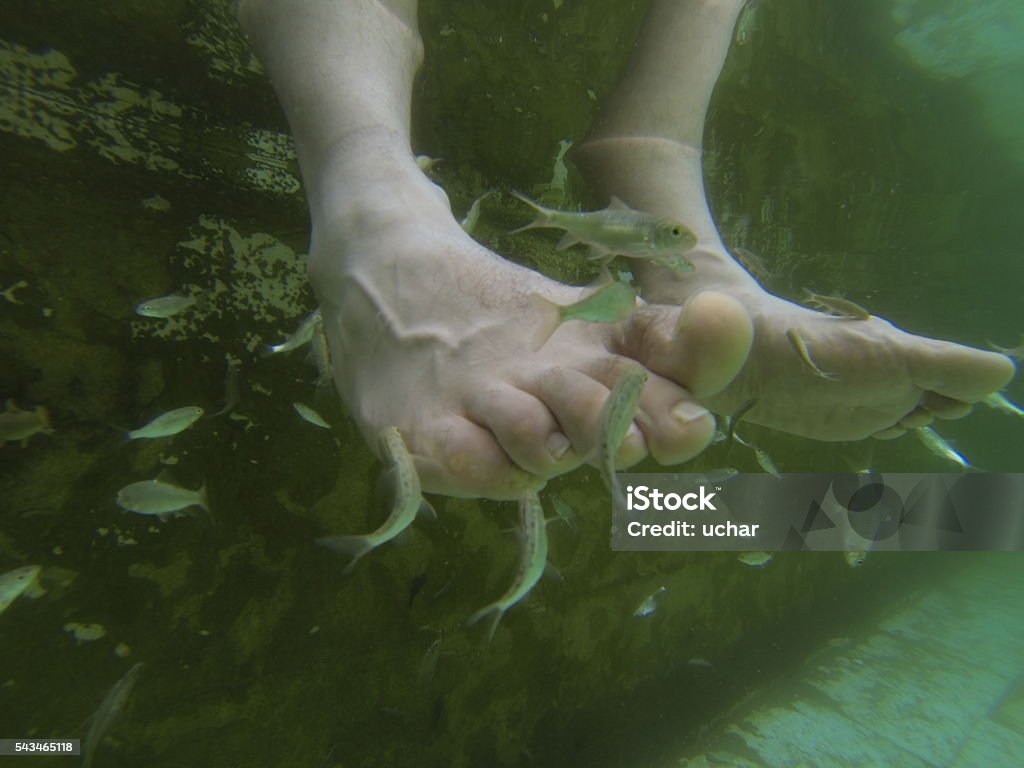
x=431 y=332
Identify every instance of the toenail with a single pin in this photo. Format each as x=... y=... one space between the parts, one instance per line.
x=687 y=411
x=557 y=444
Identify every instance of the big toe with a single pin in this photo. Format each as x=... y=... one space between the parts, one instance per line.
x=958 y=372
x=702 y=348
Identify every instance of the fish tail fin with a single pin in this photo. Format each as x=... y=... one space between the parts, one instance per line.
x=497 y=612
x=204 y=299
x=204 y=500
x=350 y=546
x=618 y=496
x=550 y=317
x=44 y=419
x=542 y=219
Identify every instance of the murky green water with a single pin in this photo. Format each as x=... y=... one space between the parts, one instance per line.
x=143 y=152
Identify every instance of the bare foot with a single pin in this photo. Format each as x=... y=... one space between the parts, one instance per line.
x=885 y=379
x=432 y=333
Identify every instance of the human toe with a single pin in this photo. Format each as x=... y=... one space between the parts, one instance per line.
x=702 y=348
x=675 y=427
x=525 y=429
x=945 y=407
x=958 y=372
x=460 y=458
x=577 y=399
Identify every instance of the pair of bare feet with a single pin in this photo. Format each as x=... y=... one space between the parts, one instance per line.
x=431 y=332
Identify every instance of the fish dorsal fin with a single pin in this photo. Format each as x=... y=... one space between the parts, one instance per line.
x=568 y=240
x=427 y=510
x=617 y=205
x=552 y=573
x=166 y=477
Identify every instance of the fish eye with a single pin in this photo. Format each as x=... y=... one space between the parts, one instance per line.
x=676 y=232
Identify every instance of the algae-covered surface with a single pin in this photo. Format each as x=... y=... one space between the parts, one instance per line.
x=143 y=153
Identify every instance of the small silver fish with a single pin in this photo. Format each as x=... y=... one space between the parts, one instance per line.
x=764 y=459
x=1000 y=402
x=753 y=263
x=938 y=445
x=320 y=355
x=408 y=501
x=649 y=604
x=161 y=499
x=234 y=365
x=156 y=203
x=8 y=293
x=614 y=422
x=735 y=418
x=170 y=423
x=720 y=475
x=565 y=513
x=427 y=163
x=16 y=424
x=855 y=558
x=310 y=415
x=801 y=349
x=16 y=582
x=111 y=707
x=1017 y=353
x=618 y=230
x=766 y=462
x=533 y=557
x=428 y=664
x=165 y=306
x=843 y=308
x=302 y=335
x=755 y=559
x=472 y=216
x=699 y=662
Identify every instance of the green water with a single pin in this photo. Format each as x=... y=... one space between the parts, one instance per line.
x=827 y=150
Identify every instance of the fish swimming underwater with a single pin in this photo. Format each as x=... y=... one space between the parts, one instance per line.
x=20 y=581
x=734 y=419
x=165 y=306
x=855 y=558
x=408 y=501
x=472 y=216
x=800 y=346
x=755 y=559
x=161 y=499
x=533 y=558
x=610 y=303
x=938 y=445
x=838 y=306
x=1017 y=353
x=167 y=424
x=110 y=709
x=649 y=604
x=16 y=424
x=614 y=422
x=618 y=230
x=302 y=335
x=1001 y=402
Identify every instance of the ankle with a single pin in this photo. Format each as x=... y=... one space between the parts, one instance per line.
x=367 y=184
